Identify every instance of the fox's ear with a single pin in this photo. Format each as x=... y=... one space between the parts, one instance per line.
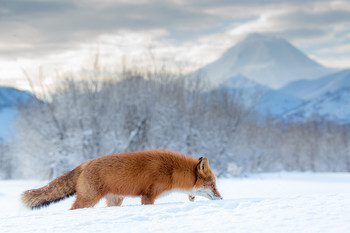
x=203 y=166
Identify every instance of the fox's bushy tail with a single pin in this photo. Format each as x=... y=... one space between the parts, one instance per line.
x=58 y=189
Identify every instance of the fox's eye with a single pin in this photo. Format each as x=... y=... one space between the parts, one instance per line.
x=212 y=185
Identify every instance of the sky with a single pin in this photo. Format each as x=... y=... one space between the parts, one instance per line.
x=48 y=38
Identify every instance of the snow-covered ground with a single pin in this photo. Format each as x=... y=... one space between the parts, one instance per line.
x=283 y=202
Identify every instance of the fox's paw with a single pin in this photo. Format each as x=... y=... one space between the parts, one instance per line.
x=191 y=197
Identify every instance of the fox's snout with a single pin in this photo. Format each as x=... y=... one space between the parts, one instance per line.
x=216 y=196
x=209 y=193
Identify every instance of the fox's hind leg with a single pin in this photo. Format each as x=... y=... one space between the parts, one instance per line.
x=87 y=196
x=113 y=200
x=82 y=202
x=147 y=200
x=150 y=194
x=89 y=191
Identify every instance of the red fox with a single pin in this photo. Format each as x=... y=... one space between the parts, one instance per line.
x=147 y=174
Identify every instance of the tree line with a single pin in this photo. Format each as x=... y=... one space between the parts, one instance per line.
x=81 y=119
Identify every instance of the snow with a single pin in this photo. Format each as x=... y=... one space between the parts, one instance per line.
x=282 y=202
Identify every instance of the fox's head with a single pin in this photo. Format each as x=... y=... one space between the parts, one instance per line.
x=206 y=181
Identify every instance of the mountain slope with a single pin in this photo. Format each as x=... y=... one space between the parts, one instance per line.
x=265 y=59
x=10 y=98
x=264 y=99
x=327 y=96
x=309 y=89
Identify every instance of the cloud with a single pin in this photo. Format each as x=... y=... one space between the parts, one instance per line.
x=340 y=62
x=49 y=26
x=193 y=32
x=310 y=19
x=341 y=49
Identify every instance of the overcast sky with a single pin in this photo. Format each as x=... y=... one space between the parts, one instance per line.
x=64 y=34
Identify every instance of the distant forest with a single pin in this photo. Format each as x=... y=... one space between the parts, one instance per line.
x=83 y=118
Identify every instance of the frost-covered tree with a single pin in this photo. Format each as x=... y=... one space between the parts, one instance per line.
x=5 y=161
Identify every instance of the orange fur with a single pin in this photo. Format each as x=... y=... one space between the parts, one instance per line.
x=147 y=174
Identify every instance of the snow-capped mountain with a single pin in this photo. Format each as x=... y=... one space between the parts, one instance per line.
x=268 y=60
x=328 y=97
x=9 y=99
x=260 y=63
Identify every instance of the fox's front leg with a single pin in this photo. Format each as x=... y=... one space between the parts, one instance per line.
x=191 y=197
